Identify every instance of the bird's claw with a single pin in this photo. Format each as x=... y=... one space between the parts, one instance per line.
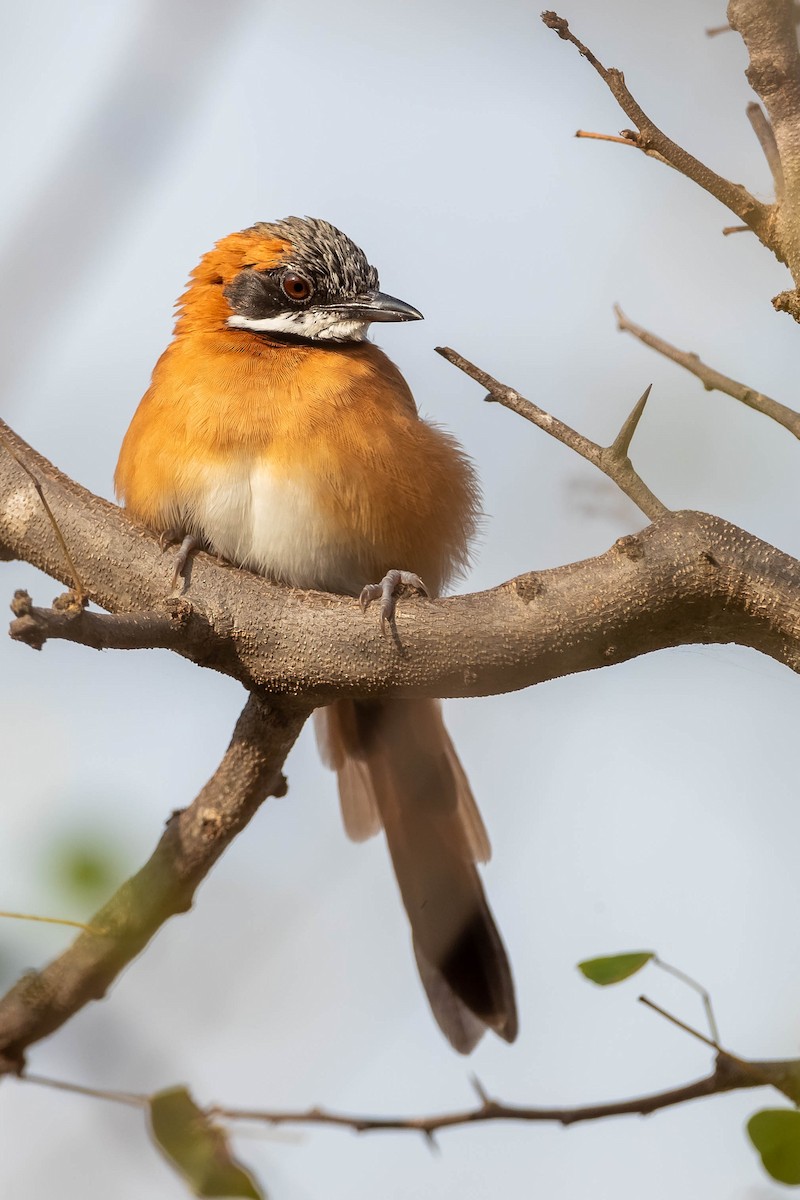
x=387 y=592
x=188 y=544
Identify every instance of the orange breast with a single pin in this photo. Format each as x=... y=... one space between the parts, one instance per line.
x=309 y=465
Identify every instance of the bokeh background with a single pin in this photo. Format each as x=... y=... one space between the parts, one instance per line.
x=648 y=805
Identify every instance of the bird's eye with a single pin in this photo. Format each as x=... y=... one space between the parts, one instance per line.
x=296 y=287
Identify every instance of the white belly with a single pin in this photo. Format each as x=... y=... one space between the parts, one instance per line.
x=272 y=525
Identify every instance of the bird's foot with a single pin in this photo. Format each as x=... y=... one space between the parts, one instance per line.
x=188 y=544
x=387 y=592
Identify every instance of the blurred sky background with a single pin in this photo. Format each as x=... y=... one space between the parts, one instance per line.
x=648 y=805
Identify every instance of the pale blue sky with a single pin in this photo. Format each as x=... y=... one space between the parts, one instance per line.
x=650 y=805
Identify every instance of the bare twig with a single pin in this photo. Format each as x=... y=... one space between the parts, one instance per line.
x=695 y=1033
x=713 y=380
x=492 y=1110
x=716 y=30
x=651 y=139
x=164 y=629
x=763 y=131
x=727 y=230
x=730 y=1074
x=612 y=460
x=783 y=1074
x=607 y=137
x=627 y=137
x=695 y=986
x=192 y=842
x=133 y=1099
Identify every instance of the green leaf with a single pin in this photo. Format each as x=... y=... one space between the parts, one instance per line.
x=613 y=968
x=197 y=1147
x=775 y=1133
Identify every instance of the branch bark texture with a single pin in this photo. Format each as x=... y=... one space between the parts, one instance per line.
x=687 y=578
x=767 y=28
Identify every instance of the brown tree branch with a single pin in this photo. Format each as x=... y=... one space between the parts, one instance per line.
x=627 y=137
x=165 y=629
x=713 y=380
x=612 y=460
x=650 y=138
x=730 y=1074
x=690 y=577
x=192 y=842
x=767 y=28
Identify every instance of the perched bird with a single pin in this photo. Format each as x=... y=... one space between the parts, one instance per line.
x=275 y=435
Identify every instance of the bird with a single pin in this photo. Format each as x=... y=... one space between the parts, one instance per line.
x=276 y=435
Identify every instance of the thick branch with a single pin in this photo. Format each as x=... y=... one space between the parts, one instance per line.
x=192 y=842
x=713 y=380
x=767 y=28
x=688 y=578
x=650 y=138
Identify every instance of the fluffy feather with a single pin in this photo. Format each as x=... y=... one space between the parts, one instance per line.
x=307 y=462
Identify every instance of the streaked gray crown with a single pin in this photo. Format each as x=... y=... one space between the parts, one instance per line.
x=334 y=264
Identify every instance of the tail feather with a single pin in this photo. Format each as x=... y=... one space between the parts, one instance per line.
x=397 y=767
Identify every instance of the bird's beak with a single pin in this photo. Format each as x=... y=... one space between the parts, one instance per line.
x=377 y=306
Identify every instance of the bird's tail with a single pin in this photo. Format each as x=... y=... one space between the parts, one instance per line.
x=397 y=768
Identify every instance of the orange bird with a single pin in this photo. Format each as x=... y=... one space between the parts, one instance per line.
x=275 y=435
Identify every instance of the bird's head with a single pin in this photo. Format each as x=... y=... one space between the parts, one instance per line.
x=299 y=278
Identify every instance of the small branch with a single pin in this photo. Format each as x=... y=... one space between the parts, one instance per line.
x=612 y=460
x=726 y=1078
x=716 y=30
x=697 y=987
x=651 y=139
x=695 y=1033
x=763 y=131
x=713 y=380
x=168 y=629
x=628 y=137
x=133 y=1099
x=782 y=1074
x=730 y=1074
x=192 y=842
x=607 y=137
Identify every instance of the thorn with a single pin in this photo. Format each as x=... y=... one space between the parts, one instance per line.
x=480 y=1091
x=430 y=1139
x=619 y=447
